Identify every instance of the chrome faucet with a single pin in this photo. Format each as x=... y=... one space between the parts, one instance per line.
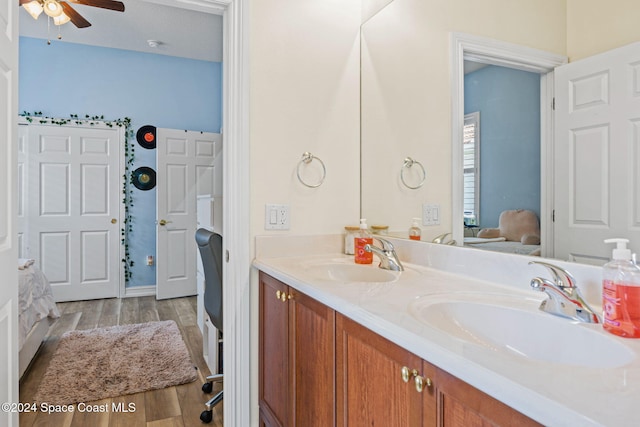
x=565 y=299
x=441 y=239
x=387 y=254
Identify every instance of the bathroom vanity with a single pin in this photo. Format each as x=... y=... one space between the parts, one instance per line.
x=349 y=345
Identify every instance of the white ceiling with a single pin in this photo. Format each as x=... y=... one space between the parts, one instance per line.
x=187 y=28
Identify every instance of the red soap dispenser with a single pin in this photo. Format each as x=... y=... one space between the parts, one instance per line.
x=621 y=292
x=362 y=239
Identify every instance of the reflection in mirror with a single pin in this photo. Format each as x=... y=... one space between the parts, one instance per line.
x=397 y=113
x=412 y=105
x=502 y=109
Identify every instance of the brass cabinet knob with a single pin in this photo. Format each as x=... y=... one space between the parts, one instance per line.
x=283 y=296
x=113 y=220
x=407 y=374
x=421 y=382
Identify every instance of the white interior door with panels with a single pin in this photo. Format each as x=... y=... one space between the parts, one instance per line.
x=186 y=169
x=8 y=232
x=597 y=154
x=73 y=191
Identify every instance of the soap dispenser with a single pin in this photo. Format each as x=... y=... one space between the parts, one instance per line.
x=362 y=239
x=415 y=233
x=621 y=292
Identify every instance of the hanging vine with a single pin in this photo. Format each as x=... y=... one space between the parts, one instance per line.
x=129 y=154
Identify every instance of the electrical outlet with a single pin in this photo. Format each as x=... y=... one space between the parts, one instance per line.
x=430 y=214
x=276 y=217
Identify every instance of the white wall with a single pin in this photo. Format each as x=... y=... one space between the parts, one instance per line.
x=594 y=26
x=304 y=87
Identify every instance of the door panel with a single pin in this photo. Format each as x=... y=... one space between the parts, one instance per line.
x=72 y=224
x=185 y=163
x=597 y=155
x=8 y=217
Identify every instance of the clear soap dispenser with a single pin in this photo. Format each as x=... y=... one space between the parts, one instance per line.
x=415 y=233
x=621 y=292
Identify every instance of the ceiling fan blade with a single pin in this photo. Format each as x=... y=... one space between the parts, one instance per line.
x=105 y=4
x=75 y=17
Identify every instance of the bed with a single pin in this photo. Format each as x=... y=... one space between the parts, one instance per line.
x=502 y=245
x=36 y=310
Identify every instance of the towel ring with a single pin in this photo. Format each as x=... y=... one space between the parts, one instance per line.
x=307 y=158
x=408 y=163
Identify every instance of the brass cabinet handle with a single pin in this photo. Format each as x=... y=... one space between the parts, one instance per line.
x=420 y=381
x=407 y=374
x=283 y=296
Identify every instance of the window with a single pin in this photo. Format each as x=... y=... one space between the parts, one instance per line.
x=471 y=166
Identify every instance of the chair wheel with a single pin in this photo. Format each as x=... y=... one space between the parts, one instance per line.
x=206 y=416
x=207 y=387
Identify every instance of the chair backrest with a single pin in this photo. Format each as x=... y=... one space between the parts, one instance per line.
x=210 y=246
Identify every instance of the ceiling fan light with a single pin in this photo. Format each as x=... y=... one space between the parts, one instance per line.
x=61 y=20
x=52 y=8
x=34 y=8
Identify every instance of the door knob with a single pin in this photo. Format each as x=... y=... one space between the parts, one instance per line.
x=113 y=220
x=163 y=222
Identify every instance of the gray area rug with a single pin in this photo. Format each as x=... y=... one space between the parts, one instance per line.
x=108 y=362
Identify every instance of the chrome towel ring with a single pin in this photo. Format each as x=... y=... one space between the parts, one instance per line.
x=307 y=158
x=407 y=165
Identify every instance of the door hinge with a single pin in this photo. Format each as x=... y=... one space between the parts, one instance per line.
x=226 y=256
x=553 y=104
x=553 y=215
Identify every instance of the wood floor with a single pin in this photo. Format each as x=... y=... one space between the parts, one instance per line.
x=178 y=406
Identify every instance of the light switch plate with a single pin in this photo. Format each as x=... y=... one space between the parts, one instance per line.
x=276 y=217
x=430 y=214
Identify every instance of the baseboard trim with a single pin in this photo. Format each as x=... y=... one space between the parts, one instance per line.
x=139 y=291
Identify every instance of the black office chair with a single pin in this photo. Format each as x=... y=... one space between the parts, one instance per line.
x=210 y=246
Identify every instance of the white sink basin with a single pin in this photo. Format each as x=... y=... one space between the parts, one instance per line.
x=514 y=326
x=343 y=272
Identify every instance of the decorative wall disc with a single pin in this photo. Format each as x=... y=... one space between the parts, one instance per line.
x=144 y=178
x=146 y=136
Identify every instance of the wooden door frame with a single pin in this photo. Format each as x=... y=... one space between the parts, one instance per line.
x=236 y=230
x=495 y=52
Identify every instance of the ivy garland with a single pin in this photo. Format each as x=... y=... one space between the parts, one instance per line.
x=129 y=154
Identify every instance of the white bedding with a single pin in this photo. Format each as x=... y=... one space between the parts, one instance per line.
x=35 y=300
x=509 y=247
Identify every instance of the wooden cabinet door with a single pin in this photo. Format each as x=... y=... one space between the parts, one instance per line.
x=370 y=389
x=297 y=358
x=312 y=361
x=274 y=387
x=461 y=405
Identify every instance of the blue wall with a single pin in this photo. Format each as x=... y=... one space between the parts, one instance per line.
x=159 y=90
x=509 y=104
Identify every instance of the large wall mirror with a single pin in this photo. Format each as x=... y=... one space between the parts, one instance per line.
x=480 y=123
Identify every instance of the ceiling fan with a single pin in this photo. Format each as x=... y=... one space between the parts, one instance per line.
x=62 y=12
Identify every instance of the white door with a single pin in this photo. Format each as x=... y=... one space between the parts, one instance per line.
x=73 y=209
x=597 y=155
x=186 y=169
x=8 y=232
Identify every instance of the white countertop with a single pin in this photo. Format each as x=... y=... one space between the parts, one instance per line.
x=551 y=393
